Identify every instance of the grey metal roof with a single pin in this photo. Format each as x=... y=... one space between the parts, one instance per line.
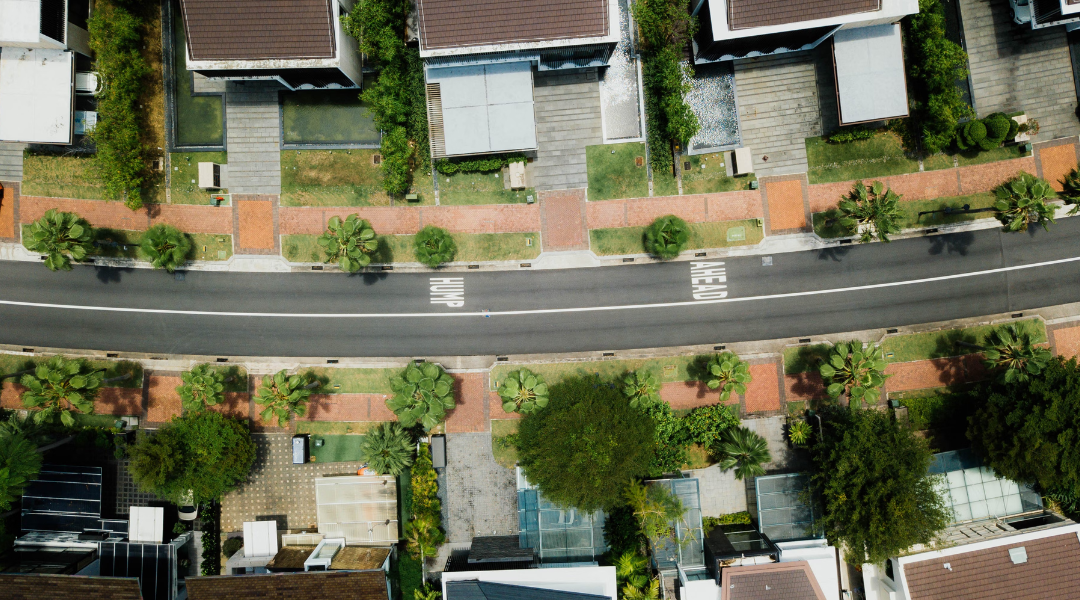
x=486 y=590
x=499 y=548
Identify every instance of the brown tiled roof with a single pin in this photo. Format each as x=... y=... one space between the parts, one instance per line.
x=743 y=14
x=774 y=581
x=1050 y=572
x=38 y=587
x=330 y=585
x=459 y=23
x=267 y=29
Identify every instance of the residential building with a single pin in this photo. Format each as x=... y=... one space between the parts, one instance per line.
x=565 y=583
x=38 y=586
x=299 y=43
x=358 y=585
x=42 y=45
x=480 y=58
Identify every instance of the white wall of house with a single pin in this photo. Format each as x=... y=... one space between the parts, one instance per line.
x=891 y=11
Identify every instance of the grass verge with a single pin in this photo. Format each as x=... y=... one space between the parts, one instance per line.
x=355 y=381
x=339 y=428
x=669 y=369
x=628 y=240
x=471 y=247
x=707 y=175
x=331 y=178
x=879 y=156
x=940 y=344
x=184 y=182
x=479 y=188
x=826 y=224
x=613 y=172
x=804 y=359
x=124 y=243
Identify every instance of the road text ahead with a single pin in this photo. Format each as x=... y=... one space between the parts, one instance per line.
x=448 y=290
x=708 y=280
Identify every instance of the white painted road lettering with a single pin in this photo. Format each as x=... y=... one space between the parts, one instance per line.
x=448 y=290
x=708 y=280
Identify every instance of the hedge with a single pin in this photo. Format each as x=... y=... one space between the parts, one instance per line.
x=477 y=165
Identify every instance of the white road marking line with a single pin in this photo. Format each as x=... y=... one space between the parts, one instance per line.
x=544 y=311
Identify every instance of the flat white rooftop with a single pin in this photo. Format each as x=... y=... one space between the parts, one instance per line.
x=870 y=81
x=36 y=95
x=486 y=108
x=19 y=21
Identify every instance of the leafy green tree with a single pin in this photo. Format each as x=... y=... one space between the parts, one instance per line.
x=854 y=371
x=422 y=394
x=642 y=388
x=935 y=63
x=666 y=237
x=350 y=243
x=870 y=474
x=657 y=510
x=1022 y=200
x=871 y=212
x=672 y=439
x=1071 y=190
x=204 y=452
x=283 y=395
x=434 y=246
x=523 y=391
x=58 y=386
x=1029 y=430
x=200 y=387
x=388 y=449
x=20 y=463
x=745 y=451
x=586 y=446
x=1014 y=355
x=799 y=432
x=707 y=424
x=61 y=237
x=166 y=246
x=727 y=373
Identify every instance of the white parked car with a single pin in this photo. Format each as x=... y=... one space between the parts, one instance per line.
x=1021 y=11
x=186 y=507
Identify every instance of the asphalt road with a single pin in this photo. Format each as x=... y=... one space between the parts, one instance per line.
x=635 y=306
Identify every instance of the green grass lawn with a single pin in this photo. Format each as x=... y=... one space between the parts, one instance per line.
x=123 y=243
x=61 y=177
x=826 y=225
x=938 y=161
x=628 y=240
x=969 y=158
x=707 y=175
x=356 y=381
x=479 y=188
x=199 y=119
x=879 y=156
x=336 y=448
x=184 y=182
x=506 y=453
x=336 y=427
x=804 y=359
x=668 y=368
x=331 y=178
x=665 y=184
x=471 y=247
x=940 y=344
x=327 y=116
x=613 y=171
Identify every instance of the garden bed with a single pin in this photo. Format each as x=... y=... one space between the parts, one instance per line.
x=327 y=117
x=826 y=226
x=479 y=188
x=973 y=157
x=614 y=173
x=708 y=175
x=716 y=234
x=184 y=182
x=331 y=178
x=471 y=247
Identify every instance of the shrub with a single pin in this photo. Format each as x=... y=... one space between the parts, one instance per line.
x=58 y=386
x=388 y=449
x=970 y=135
x=854 y=371
x=666 y=237
x=424 y=484
x=232 y=546
x=586 y=446
x=671 y=440
x=115 y=40
x=1014 y=355
x=166 y=246
x=20 y=463
x=210 y=515
x=61 y=237
x=1022 y=200
x=523 y=391
x=642 y=388
x=422 y=394
x=846 y=135
x=745 y=451
x=448 y=166
x=282 y=396
x=871 y=213
x=739 y=518
x=727 y=373
x=706 y=424
x=202 y=386
x=935 y=63
x=434 y=246
x=997 y=129
x=799 y=432
x=350 y=243
x=204 y=452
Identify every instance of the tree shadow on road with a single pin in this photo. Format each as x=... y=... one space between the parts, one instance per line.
x=953 y=243
x=111 y=274
x=834 y=254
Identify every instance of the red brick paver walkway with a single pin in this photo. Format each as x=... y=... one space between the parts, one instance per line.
x=804 y=386
x=256 y=223
x=1066 y=341
x=763 y=391
x=114 y=215
x=691 y=394
x=236 y=404
x=470 y=414
x=787 y=210
x=696 y=208
x=937 y=372
x=1056 y=162
x=119 y=402
x=8 y=199
x=562 y=220
x=347 y=407
x=162 y=400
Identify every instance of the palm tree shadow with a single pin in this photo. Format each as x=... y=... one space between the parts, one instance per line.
x=952 y=243
x=835 y=254
x=954 y=343
x=111 y=274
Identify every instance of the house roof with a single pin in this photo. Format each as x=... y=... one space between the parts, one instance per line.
x=329 y=585
x=487 y=590
x=353 y=558
x=36 y=587
x=744 y=14
x=499 y=549
x=271 y=29
x=773 y=581
x=1049 y=572
x=462 y=23
x=870 y=86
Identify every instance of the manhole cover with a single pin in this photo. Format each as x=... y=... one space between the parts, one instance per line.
x=766 y=261
x=736 y=234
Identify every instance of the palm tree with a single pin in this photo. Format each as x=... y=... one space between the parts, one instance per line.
x=631 y=569
x=1022 y=200
x=649 y=592
x=799 y=432
x=642 y=388
x=1012 y=352
x=202 y=386
x=726 y=372
x=58 y=386
x=20 y=462
x=666 y=237
x=422 y=538
x=523 y=392
x=873 y=212
x=427 y=593
x=854 y=371
x=744 y=450
x=1071 y=190
x=434 y=246
x=350 y=242
x=422 y=394
x=388 y=449
x=284 y=395
x=166 y=246
x=61 y=237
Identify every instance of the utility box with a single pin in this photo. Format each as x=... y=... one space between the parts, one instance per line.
x=517 y=175
x=299 y=449
x=744 y=163
x=210 y=176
